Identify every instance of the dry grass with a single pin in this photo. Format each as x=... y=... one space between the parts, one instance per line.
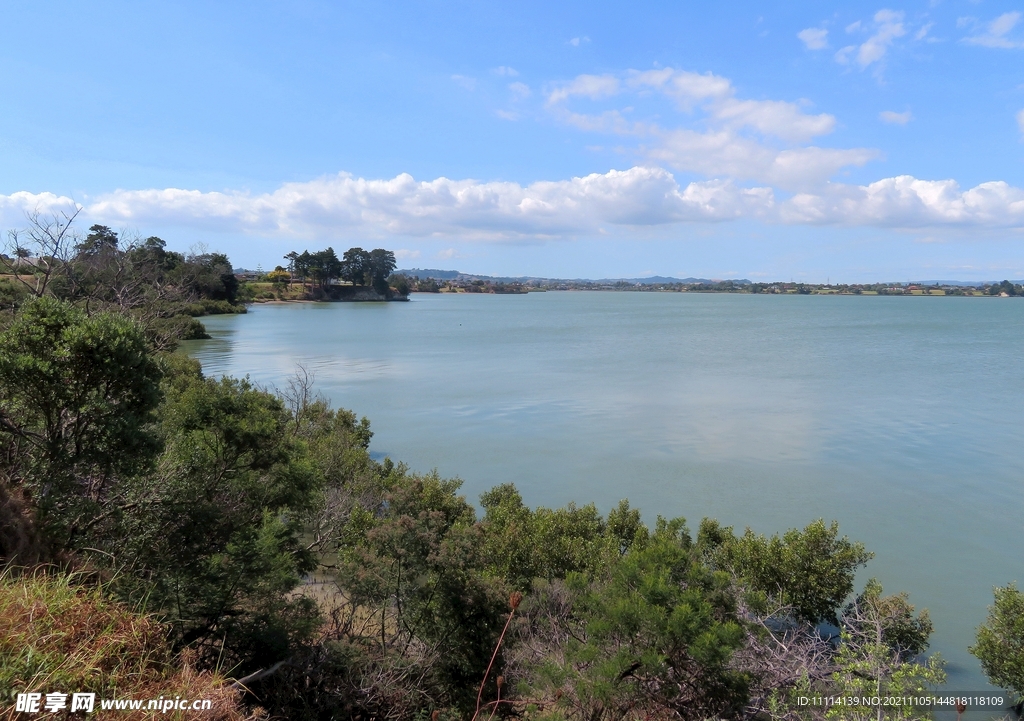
x=58 y=636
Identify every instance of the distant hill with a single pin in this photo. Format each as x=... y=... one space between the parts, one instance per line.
x=459 y=275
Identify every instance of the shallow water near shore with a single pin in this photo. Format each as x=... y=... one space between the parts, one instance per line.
x=898 y=417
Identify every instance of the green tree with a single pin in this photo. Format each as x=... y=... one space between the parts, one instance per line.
x=1000 y=640
x=811 y=570
x=355 y=265
x=415 y=572
x=380 y=265
x=881 y=641
x=77 y=396
x=655 y=638
x=214 y=535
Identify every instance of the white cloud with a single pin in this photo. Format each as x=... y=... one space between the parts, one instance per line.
x=922 y=32
x=576 y=42
x=342 y=206
x=907 y=202
x=339 y=205
x=465 y=82
x=405 y=254
x=894 y=118
x=889 y=26
x=15 y=207
x=995 y=33
x=506 y=71
x=723 y=146
x=853 y=27
x=507 y=114
x=774 y=117
x=714 y=93
x=1020 y=122
x=589 y=86
x=843 y=54
x=724 y=153
x=685 y=87
x=519 y=90
x=814 y=38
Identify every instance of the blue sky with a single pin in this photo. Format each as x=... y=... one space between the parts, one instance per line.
x=851 y=141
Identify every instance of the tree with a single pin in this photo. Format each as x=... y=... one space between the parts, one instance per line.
x=213 y=535
x=51 y=239
x=651 y=636
x=77 y=396
x=380 y=265
x=811 y=570
x=355 y=264
x=1000 y=640
x=100 y=240
x=279 y=275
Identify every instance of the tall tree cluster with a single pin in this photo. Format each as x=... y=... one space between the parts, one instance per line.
x=356 y=266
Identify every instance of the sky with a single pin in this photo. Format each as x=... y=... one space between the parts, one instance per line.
x=813 y=141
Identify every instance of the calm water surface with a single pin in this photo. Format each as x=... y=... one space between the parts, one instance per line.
x=898 y=417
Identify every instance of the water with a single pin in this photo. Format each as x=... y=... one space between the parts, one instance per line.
x=898 y=417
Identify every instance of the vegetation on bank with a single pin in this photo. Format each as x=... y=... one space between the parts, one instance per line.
x=464 y=283
x=248 y=531
x=357 y=275
x=137 y=277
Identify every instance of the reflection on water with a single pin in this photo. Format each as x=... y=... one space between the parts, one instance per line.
x=896 y=416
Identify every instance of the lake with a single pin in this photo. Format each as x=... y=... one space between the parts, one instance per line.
x=900 y=417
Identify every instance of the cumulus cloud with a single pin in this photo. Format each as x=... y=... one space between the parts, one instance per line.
x=907 y=202
x=814 y=38
x=995 y=34
x=406 y=254
x=715 y=94
x=504 y=70
x=15 y=207
x=341 y=206
x=894 y=118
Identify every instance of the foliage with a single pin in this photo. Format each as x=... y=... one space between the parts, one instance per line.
x=655 y=638
x=127 y=274
x=1000 y=640
x=811 y=570
x=216 y=528
x=278 y=275
x=522 y=544
x=356 y=266
x=78 y=394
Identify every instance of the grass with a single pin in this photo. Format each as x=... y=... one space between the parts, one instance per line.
x=58 y=635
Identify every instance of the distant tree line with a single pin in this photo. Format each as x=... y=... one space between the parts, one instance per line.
x=356 y=266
